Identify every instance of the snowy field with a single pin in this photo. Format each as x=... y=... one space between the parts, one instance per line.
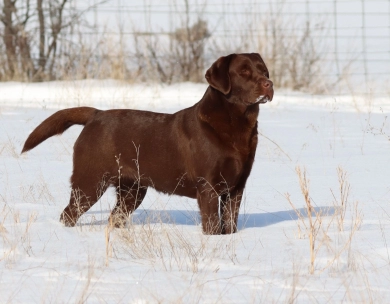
x=343 y=143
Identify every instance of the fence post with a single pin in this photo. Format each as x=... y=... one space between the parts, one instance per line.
x=336 y=39
x=364 y=50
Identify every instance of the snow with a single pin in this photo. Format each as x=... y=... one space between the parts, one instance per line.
x=163 y=256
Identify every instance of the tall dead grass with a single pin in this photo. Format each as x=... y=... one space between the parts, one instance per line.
x=16 y=239
x=316 y=222
x=157 y=240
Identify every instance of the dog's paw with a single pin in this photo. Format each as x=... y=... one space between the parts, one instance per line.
x=67 y=221
x=117 y=221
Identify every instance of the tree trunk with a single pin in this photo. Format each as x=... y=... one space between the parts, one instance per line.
x=42 y=58
x=9 y=36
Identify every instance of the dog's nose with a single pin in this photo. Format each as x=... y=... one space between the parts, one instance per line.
x=268 y=88
x=267 y=84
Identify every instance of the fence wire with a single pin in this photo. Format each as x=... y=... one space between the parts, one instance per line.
x=351 y=36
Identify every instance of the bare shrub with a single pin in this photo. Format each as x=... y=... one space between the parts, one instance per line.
x=188 y=46
x=44 y=28
x=104 y=57
x=178 y=56
x=293 y=50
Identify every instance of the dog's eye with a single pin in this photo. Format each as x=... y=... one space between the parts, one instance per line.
x=245 y=71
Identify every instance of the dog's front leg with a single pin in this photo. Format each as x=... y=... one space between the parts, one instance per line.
x=208 y=205
x=229 y=209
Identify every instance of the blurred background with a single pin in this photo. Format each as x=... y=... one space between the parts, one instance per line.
x=318 y=46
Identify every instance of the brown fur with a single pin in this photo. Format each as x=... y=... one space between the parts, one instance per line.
x=204 y=152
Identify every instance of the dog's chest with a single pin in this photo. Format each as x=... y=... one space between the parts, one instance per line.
x=239 y=137
x=240 y=147
x=241 y=143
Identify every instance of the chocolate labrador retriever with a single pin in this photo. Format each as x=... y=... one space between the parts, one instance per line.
x=205 y=151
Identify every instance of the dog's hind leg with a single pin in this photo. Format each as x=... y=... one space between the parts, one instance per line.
x=128 y=199
x=85 y=193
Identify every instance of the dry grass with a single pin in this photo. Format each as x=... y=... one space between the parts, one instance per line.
x=89 y=277
x=315 y=224
x=17 y=237
x=341 y=204
x=379 y=128
x=318 y=223
x=8 y=148
x=159 y=241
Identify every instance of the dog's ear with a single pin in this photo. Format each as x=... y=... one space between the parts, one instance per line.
x=218 y=74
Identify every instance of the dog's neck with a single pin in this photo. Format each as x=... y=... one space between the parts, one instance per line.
x=214 y=104
x=224 y=113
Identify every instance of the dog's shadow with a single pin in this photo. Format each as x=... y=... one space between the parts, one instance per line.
x=245 y=220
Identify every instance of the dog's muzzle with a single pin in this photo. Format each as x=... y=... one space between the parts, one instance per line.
x=268 y=89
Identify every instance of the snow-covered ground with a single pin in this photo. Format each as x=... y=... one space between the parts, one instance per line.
x=163 y=257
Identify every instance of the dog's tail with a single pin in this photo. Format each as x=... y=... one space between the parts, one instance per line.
x=57 y=123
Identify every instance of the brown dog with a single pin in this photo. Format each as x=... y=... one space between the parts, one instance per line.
x=203 y=152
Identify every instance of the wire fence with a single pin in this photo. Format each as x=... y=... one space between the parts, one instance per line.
x=344 y=41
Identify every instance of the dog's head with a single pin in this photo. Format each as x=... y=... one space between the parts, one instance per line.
x=242 y=78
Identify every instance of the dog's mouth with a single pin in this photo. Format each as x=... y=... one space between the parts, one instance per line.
x=263 y=99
